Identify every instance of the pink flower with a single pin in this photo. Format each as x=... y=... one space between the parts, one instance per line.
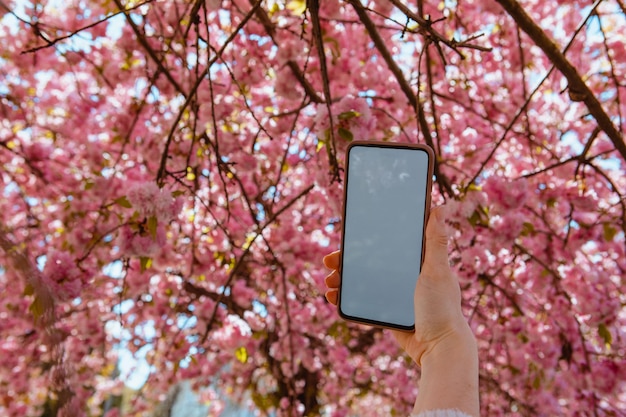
x=142 y=197
x=140 y=243
x=287 y=86
x=150 y=201
x=38 y=152
x=351 y=117
x=63 y=277
x=608 y=374
x=242 y=294
x=290 y=50
x=115 y=412
x=508 y=227
x=505 y=193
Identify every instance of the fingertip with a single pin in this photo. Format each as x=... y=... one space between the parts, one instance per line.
x=331 y=296
x=332 y=280
x=436 y=227
x=438 y=217
x=331 y=261
x=436 y=240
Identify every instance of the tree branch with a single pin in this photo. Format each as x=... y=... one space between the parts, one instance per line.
x=52 y=42
x=442 y=180
x=238 y=265
x=576 y=84
x=426 y=26
x=194 y=89
x=522 y=109
x=293 y=66
x=142 y=40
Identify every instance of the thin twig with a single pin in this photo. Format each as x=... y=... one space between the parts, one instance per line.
x=142 y=40
x=331 y=145
x=442 y=180
x=427 y=27
x=576 y=83
x=161 y=172
x=75 y=32
x=240 y=261
x=529 y=98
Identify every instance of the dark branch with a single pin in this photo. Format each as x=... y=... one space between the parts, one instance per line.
x=576 y=83
x=404 y=86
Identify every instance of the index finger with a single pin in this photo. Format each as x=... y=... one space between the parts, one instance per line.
x=331 y=261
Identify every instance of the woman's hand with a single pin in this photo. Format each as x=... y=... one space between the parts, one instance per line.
x=443 y=343
x=437 y=295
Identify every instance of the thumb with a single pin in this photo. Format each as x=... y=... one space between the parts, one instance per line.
x=436 y=254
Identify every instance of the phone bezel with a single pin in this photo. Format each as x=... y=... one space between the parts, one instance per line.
x=427 y=202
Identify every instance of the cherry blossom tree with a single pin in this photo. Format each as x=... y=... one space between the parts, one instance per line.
x=172 y=176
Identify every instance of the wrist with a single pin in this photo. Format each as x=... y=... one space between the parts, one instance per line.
x=458 y=340
x=449 y=378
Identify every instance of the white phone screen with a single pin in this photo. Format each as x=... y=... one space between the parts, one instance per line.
x=386 y=198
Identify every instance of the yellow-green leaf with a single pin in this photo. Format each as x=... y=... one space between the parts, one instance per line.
x=609 y=232
x=527 y=229
x=474 y=187
x=190 y=174
x=605 y=334
x=347 y=115
x=298 y=7
x=152 y=226
x=241 y=354
x=145 y=263
x=537 y=382
x=346 y=134
x=249 y=239
x=123 y=201
x=29 y=289
x=37 y=308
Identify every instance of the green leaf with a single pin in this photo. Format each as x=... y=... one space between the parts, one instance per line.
x=476 y=219
x=191 y=175
x=152 y=226
x=334 y=46
x=242 y=354
x=29 y=289
x=145 y=263
x=474 y=187
x=346 y=134
x=297 y=7
x=514 y=370
x=37 y=308
x=609 y=232
x=347 y=115
x=528 y=229
x=123 y=201
x=605 y=334
x=89 y=185
x=177 y=193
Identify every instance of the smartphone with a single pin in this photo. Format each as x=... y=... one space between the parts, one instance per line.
x=386 y=203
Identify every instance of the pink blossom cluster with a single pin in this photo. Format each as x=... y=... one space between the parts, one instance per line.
x=227 y=109
x=506 y=194
x=351 y=114
x=138 y=241
x=149 y=200
x=62 y=275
